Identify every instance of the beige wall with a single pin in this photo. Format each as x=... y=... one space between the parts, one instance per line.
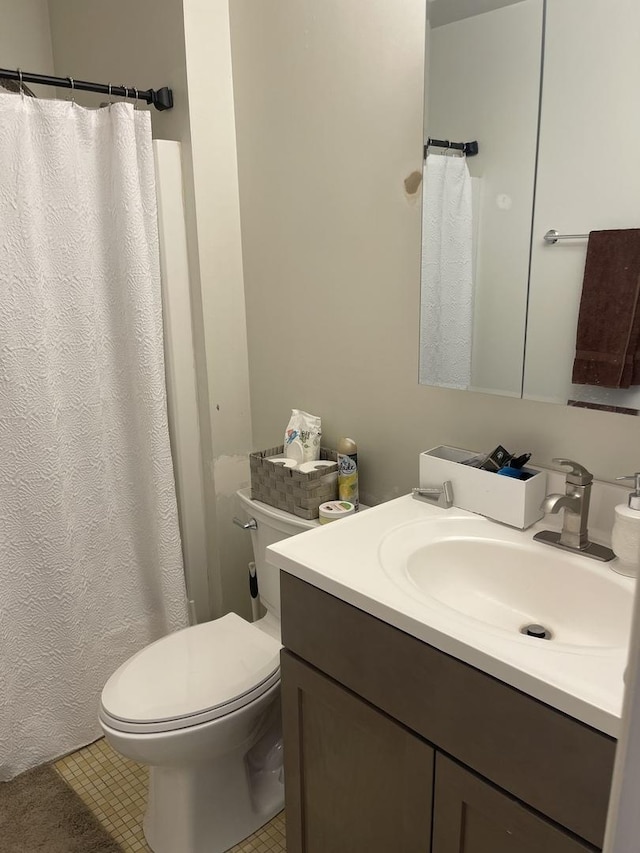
x=131 y=44
x=329 y=119
x=25 y=38
x=217 y=219
x=145 y=43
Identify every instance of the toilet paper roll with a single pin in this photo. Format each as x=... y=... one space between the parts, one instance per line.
x=308 y=467
x=333 y=510
x=283 y=461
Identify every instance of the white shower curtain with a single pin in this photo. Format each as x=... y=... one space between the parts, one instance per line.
x=90 y=559
x=446 y=310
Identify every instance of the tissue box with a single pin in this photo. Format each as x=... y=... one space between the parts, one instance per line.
x=292 y=490
x=514 y=502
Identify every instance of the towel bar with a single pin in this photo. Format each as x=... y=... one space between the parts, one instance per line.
x=552 y=237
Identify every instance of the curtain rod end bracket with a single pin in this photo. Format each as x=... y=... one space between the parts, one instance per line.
x=162 y=99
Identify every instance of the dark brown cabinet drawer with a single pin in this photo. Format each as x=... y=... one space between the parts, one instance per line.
x=356 y=781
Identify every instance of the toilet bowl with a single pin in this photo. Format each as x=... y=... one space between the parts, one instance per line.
x=201 y=707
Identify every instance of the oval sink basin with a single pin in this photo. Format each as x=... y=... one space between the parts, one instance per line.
x=502 y=578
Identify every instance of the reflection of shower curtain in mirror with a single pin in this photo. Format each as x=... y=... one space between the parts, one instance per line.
x=446 y=310
x=90 y=559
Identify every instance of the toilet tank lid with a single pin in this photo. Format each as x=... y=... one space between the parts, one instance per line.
x=191 y=672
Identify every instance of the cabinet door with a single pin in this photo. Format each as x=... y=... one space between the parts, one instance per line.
x=356 y=782
x=471 y=816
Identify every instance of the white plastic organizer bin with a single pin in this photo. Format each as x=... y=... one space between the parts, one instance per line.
x=511 y=501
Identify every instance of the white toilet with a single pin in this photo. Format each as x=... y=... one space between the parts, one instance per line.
x=201 y=707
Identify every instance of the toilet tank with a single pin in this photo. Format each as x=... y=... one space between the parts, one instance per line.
x=272 y=525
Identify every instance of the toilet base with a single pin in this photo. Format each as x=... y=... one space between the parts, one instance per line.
x=210 y=785
x=195 y=810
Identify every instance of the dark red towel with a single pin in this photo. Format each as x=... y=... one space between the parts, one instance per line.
x=608 y=336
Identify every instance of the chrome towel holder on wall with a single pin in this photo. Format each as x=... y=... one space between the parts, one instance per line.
x=552 y=237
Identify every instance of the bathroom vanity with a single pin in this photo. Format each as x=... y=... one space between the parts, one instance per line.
x=401 y=734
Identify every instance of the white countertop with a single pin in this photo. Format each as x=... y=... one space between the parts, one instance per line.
x=342 y=558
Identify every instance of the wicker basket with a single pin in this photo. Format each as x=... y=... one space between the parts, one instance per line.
x=289 y=489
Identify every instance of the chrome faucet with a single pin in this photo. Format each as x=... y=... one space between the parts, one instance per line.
x=438 y=495
x=576 y=506
x=574 y=535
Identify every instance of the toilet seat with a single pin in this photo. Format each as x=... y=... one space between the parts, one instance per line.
x=190 y=677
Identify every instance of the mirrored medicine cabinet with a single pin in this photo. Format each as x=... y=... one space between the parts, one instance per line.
x=547 y=89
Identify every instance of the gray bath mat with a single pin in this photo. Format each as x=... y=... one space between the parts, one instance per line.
x=40 y=813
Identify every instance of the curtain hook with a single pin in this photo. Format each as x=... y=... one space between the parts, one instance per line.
x=110 y=95
x=73 y=89
x=20 y=83
x=126 y=92
x=135 y=103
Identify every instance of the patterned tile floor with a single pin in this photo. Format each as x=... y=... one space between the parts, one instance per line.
x=114 y=788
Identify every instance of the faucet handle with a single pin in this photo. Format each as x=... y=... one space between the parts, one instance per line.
x=441 y=496
x=578 y=476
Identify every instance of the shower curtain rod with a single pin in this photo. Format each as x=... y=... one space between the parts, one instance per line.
x=162 y=99
x=468 y=148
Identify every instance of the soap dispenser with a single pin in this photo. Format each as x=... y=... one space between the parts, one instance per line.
x=625 y=536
